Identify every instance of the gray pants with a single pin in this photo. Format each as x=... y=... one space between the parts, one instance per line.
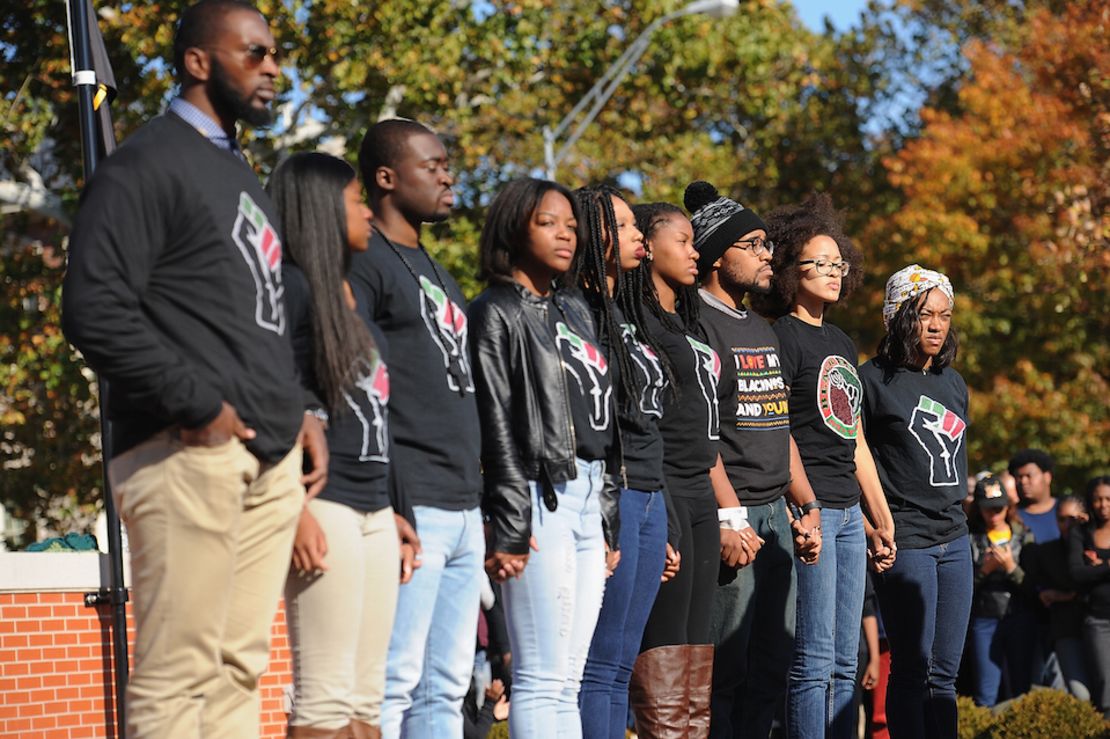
x=1096 y=639
x=1070 y=674
x=753 y=630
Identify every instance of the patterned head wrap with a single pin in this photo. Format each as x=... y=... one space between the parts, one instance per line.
x=909 y=283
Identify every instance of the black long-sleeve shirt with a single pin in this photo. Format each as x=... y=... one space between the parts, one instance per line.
x=174 y=291
x=1093 y=580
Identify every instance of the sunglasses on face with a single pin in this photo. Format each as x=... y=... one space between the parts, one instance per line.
x=255 y=53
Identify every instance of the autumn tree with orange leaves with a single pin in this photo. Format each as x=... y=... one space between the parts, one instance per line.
x=1008 y=195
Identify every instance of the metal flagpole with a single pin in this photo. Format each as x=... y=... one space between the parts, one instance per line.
x=80 y=15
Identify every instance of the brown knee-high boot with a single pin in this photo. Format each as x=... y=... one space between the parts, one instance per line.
x=658 y=692
x=701 y=689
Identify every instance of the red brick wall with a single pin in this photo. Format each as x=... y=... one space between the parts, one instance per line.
x=55 y=668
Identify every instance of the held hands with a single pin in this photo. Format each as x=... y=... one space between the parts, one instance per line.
x=612 y=559
x=310 y=546
x=410 y=547
x=807 y=537
x=671 y=563
x=881 y=549
x=495 y=694
x=220 y=430
x=738 y=548
x=500 y=566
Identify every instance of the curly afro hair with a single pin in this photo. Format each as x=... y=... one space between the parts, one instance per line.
x=791 y=227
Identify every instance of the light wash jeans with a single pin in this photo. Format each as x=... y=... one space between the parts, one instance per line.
x=431 y=650
x=826 y=638
x=552 y=608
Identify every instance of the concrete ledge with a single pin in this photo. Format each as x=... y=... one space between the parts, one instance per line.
x=56 y=571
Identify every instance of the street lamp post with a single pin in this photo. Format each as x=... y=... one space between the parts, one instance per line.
x=603 y=89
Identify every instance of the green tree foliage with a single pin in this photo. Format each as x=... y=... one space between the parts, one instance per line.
x=756 y=103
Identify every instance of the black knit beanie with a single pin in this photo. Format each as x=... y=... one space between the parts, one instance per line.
x=718 y=222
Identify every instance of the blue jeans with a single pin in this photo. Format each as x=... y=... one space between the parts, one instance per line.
x=629 y=595
x=1003 y=644
x=826 y=638
x=753 y=629
x=431 y=650
x=925 y=599
x=552 y=608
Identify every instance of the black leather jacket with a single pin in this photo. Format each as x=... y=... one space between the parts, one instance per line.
x=527 y=432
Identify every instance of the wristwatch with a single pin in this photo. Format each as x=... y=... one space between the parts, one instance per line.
x=812 y=505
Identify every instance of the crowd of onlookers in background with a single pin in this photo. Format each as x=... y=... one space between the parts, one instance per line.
x=1042 y=584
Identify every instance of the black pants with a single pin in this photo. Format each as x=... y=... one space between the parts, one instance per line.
x=683 y=607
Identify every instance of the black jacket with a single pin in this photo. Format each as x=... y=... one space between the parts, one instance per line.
x=527 y=432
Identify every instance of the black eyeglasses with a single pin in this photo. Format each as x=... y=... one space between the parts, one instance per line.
x=256 y=53
x=758 y=245
x=825 y=267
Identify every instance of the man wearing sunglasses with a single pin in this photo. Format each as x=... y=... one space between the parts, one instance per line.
x=174 y=295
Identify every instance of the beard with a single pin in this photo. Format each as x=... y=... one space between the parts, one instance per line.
x=736 y=282
x=225 y=97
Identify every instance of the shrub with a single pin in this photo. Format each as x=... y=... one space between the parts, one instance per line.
x=975 y=721
x=1049 y=713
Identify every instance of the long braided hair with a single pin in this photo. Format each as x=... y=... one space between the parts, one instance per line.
x=597 y=228
x=649 y=217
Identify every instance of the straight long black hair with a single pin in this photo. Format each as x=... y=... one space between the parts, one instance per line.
x=901 y=346
x=307 y=190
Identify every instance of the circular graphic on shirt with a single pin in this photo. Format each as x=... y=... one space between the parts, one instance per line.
x=839 y=395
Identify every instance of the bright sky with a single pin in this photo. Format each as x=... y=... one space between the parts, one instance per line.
x=843 y=13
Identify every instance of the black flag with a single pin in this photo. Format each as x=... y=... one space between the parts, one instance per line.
x=105 y=83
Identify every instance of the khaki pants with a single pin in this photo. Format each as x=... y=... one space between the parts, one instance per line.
x=211 y=534
x=340 y=620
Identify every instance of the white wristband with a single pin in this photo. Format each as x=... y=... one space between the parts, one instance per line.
x=735 y=518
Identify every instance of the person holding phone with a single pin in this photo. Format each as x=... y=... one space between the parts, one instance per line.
x=1002 y=621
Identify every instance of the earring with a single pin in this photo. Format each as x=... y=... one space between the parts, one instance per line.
x=649 y=256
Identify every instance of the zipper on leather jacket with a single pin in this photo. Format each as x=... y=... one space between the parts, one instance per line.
x=563 y=385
